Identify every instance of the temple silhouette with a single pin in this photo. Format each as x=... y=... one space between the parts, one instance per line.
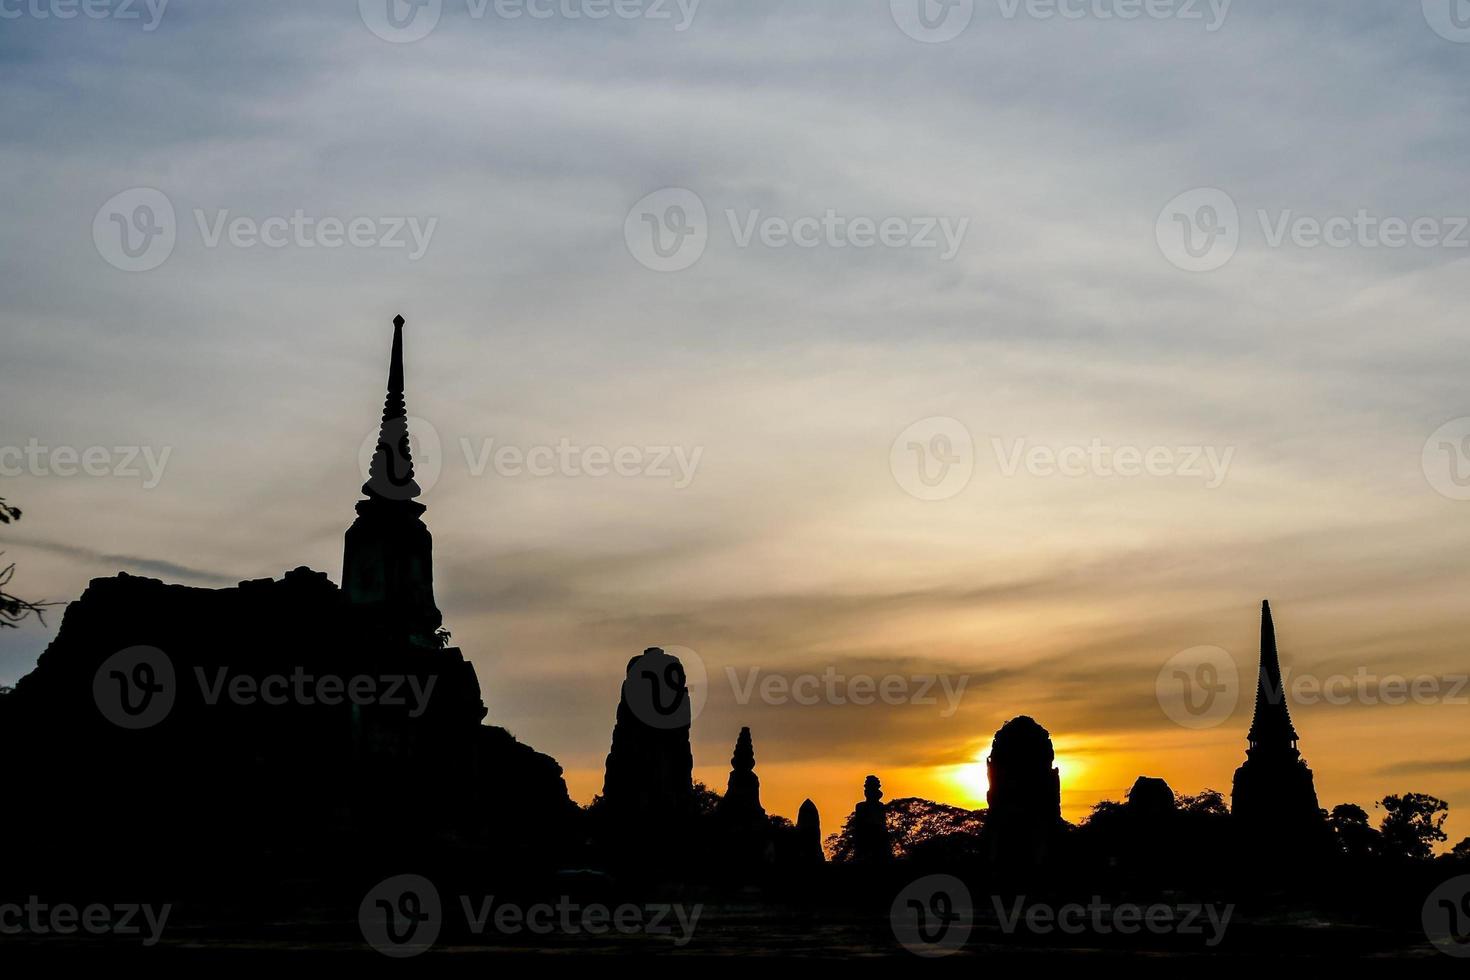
x=161 y=756
x=1274 y=799
x=1024 y=795
x=380 y=726
x=388 y=553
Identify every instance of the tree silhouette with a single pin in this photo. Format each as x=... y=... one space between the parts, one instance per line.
x=1207 y=803
x=1413 y=824
x=1103 y=812
x=1355 y=837
x=13 y=609
x=706 y=800
x=916 y=825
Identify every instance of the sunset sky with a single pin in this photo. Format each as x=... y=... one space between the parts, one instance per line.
x=782 y=375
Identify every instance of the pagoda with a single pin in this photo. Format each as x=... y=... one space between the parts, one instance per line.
x=1274 y=795
x=387 y=561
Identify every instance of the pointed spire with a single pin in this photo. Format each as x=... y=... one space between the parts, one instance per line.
x=744 y=758
x=390 y=475
x=395 y=360
x=1271 y=724
x=743 y=791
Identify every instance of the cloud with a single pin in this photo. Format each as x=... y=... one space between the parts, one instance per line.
x=1436 y=767
x=166 y=570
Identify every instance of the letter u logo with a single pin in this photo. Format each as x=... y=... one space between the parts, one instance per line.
x=143 y=680
x=672 y=681
x=942 y=907
x=409 y=912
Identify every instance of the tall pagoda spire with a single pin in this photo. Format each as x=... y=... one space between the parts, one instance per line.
x=388 y=557
x=1271 y=725
x=390 y=474
x=1274 y=798
x=742 y=797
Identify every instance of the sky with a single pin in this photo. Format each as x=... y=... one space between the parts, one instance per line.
x=1001 y=359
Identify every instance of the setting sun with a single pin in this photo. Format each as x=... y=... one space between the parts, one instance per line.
x=969 y=783
x=1070 y=769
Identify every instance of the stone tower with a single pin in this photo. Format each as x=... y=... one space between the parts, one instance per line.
x=1025 y=794
x=1274 y=795
x=649 y=780
x=809 y=834
x=746 y=840
x=388 y=561
x=1024 y=783
x=871 y=842
x=742 y=800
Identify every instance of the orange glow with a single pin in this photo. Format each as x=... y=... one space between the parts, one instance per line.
x=1092 y=767
x=969 y=784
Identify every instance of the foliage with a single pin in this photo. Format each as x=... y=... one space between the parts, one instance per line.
x=706 y=800
x=915 y=825
x=1412 y=825
x=1350 y=828
x=1102 y=812
x=12 y=608
x=1207 y=803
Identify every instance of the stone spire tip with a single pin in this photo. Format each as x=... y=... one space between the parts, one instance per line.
x=390 y=474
